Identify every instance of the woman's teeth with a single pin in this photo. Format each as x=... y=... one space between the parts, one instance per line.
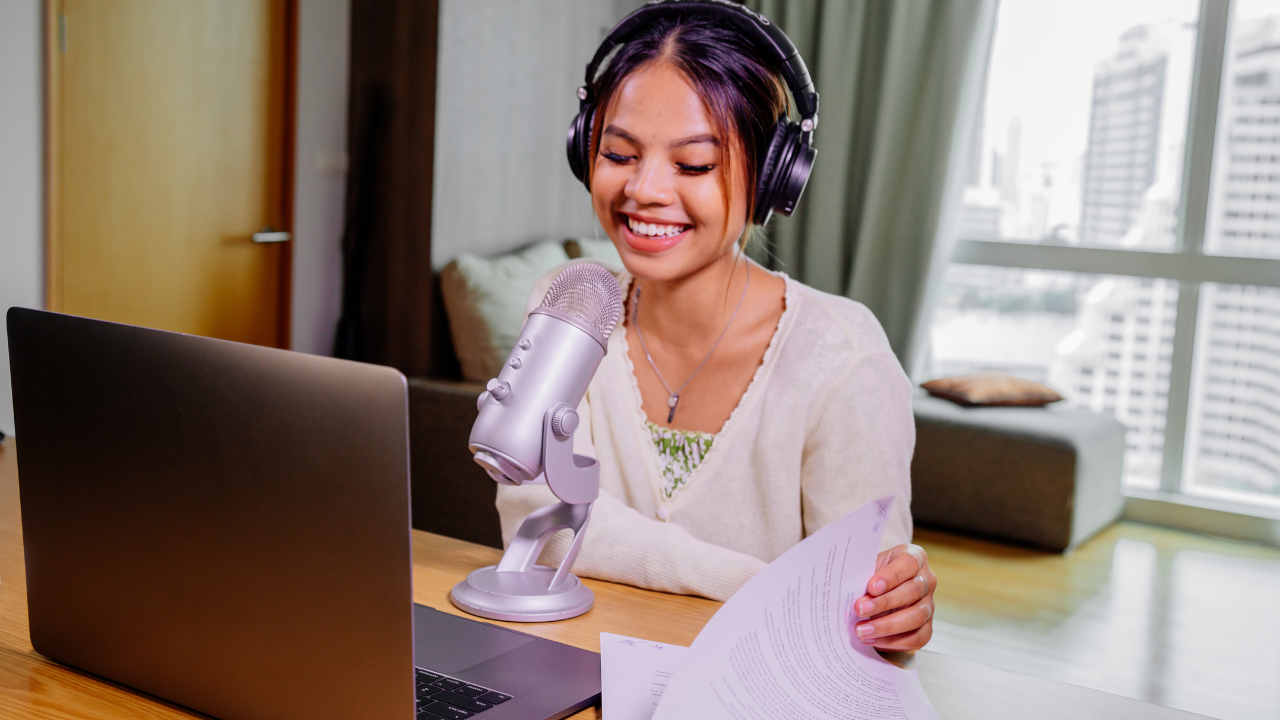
x=654 y=230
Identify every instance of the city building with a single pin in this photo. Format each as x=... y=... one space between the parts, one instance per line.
x=1118 y=361
x=1246 y=193
x=1138 y=109
x=1234 y=429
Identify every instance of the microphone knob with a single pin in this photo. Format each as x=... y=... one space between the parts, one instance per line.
x=498 y=390
x=481 y=400
x=564 y=422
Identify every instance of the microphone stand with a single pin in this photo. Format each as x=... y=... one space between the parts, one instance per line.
x=517 y=589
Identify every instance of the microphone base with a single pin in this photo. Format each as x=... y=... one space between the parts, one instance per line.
x=522 y=596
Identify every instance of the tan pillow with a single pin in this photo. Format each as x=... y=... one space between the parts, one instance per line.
x=991 y=389
x=484 y=299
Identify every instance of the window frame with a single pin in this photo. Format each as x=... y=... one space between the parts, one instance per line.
x=1187 y=264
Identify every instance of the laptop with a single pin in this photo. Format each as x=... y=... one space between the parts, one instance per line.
x=227 y=527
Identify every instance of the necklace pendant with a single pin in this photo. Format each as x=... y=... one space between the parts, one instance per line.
x=671 y=403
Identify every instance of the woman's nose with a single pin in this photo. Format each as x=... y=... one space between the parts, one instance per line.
x=650 y=185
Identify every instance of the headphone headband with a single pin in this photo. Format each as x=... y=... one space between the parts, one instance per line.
x=767 y=38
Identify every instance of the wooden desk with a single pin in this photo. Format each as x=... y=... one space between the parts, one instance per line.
x=33 y=687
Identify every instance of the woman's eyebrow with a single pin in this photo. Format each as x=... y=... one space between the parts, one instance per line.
x=615 y=130
x=695 y=139
x=691 y=140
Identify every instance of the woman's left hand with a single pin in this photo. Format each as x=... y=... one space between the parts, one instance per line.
x=899 y=601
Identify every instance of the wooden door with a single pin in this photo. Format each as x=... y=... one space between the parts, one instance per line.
x=169 y=145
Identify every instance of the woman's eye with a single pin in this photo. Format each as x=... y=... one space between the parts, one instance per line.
x=695 y=169
x=615 y=157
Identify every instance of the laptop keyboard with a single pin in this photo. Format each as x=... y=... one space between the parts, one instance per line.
x=440 y=696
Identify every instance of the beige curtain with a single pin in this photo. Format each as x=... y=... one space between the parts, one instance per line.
x=900 y=84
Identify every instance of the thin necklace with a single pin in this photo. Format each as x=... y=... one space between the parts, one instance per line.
x=674 y=400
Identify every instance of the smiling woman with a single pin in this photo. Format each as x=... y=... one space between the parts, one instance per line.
x=672 y=109
x=658 y=142
x=737 y=411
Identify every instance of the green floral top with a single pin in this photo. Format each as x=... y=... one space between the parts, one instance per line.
x=680 y=452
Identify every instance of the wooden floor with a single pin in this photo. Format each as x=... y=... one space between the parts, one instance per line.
x=1156 y=614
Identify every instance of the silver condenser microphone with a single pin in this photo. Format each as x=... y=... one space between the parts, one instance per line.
x=525 y=430
x=553 y=361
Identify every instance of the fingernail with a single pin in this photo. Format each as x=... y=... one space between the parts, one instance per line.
x=878 y=586
x=864 y=608
x=865 y=630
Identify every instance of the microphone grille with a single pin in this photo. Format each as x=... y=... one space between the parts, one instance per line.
x=590 y=292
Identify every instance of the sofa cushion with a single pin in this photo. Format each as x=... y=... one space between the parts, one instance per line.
x=485 y=299
x=991 y=389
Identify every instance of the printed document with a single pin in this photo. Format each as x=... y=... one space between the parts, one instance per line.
x=781 y=648
x=634 y=673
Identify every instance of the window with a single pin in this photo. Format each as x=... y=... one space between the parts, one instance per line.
x=1132 y=147
x=1054 y=328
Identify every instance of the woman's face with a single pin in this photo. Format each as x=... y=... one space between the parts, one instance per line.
x=656 y=184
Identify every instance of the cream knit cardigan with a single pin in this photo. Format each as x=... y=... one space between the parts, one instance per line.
x=824 y=426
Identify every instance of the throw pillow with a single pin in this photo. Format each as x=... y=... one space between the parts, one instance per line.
x=484 y=299
x=991 y=389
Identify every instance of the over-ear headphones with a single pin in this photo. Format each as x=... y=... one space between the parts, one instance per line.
x=786 y=162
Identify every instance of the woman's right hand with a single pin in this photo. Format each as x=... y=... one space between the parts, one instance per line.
x=899 y=601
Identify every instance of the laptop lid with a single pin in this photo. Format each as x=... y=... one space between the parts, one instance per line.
x=221 y=525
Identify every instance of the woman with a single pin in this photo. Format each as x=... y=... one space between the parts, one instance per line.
x=737 y=410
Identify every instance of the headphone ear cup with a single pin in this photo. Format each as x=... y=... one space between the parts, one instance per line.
x=773 y=168
x=797 y=177
x=578 y=144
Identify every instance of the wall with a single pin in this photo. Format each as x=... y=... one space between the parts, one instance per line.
x=506 y=80
x=21 y=194
x=324 y=28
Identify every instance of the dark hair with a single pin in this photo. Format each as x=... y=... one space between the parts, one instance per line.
x=743 y=95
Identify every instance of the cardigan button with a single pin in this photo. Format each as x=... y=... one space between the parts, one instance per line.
x=662 y=513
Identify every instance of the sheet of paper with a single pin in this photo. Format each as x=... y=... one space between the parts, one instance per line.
x=634 y=674
x=781 y=649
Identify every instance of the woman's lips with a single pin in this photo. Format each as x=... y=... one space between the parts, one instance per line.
x=646 y=243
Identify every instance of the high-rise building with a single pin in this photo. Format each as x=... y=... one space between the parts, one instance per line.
x=1139 y=104
x=1234 y=429
x=1233 y=439
x=1119 y=359
x=1246 y=198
